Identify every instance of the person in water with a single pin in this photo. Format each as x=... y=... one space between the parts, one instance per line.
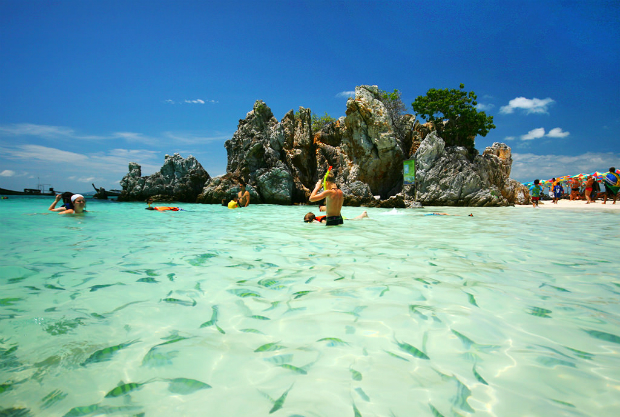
x=311 y=218
x=150 y=201
x=234 y=203
x=66 y=199
x=333 y=199
x=243 y=198
x=446 y=214
x=79 y=205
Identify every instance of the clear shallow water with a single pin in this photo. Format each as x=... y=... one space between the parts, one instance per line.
x=512 y=312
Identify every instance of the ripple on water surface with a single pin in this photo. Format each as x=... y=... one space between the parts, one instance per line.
x=251 y=312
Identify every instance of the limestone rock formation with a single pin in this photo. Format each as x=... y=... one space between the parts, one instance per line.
x=450 y=176
x=178 y=180
x=282 y=161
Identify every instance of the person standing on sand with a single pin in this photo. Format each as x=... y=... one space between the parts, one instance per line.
x=243 y=196
x=575 y=185
x=612 y=185
x=558 y=190
x=589 y=185
x=535 y=191
x=333 y=200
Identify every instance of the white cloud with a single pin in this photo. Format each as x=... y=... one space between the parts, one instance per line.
x=534 y=134
x=509 y=138
x=42 y=153
x=346 y=94
x=29 y=129
x=189 y=138
x=484 y=107
x=557 y=133
x=528 y=167
x=7 y=173
x=197 y=101
x=169 y=101
x=533 y=105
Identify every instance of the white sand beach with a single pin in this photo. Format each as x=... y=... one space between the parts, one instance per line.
x=577 y=205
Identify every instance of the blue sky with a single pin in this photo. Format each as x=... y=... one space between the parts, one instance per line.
x=88 y=86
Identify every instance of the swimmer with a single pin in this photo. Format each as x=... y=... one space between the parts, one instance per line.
x=66 y=199
x=79 y=205
x=243 y=198
x=234 y=203
x=150 y=201
x=333 y=196
x=446 y=214
x=311 y=218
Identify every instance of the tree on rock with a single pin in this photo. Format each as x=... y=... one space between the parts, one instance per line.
x=454 y=115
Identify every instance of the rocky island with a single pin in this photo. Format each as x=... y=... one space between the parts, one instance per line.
x=281 y=162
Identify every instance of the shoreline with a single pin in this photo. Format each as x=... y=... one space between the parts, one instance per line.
x=577 y=205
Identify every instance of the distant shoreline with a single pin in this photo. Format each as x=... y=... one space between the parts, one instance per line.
x=576 y=205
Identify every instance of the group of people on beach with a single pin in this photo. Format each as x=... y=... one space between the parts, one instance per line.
x=590 y=192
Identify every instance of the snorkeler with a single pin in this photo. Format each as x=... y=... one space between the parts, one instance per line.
x=333 y=199
x=150 y=201
x=311 y=218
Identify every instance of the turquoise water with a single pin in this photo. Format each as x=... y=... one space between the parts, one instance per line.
x=210 y=311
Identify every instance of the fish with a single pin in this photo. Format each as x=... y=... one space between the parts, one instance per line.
x=280 y=359
x=555 y=288
x=8 y=352
x=300 y=294
x=148 y=279
x=30 y=287
x=412 y=350
x=466 y=341
x=269 y=347
x=156 y=358
x=52 y=398
x=213 y=321
x=98 y=287
x=279 y=403
x=54 y=287
x=553 y=362
x=333 y=341
x=362 y=394
x=257 y=317
x=171 y=276
x=607 y=337
x=357 y=376
x=414 y=309
x=272 y=284
x=396 y=356
x=186 y=386
x=356 y=412
x=294 y=369
x=478 y=377
x=251 y=331
x=243 y=293
x=435 y=412
x=82 y=411
x=274 y=304
x=539 y=312
x=581 y=354
x=6 y=387
x=105 y=354
x=472 y=300
x=179 y=302
x=123 y=389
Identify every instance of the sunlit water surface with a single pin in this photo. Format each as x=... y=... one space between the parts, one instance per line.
x=210 y=311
